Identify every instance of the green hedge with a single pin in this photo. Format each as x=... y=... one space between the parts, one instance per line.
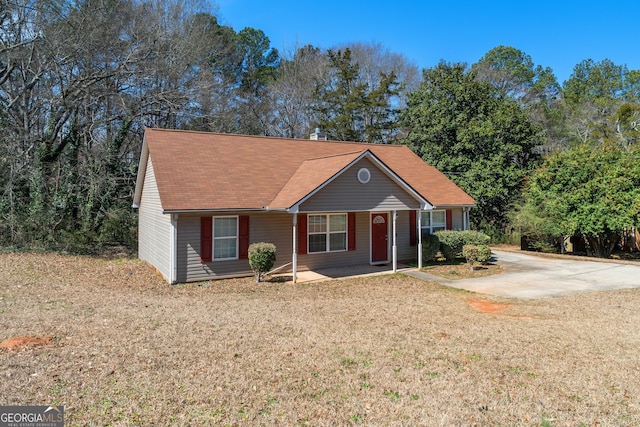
x=475 y=237
x=430 y=247
x=452 y=242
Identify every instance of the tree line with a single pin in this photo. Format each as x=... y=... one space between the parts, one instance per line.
x=545 y=159
x=79 y=82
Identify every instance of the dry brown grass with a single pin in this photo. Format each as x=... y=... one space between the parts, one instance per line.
x=461 y=270
x=392 y=350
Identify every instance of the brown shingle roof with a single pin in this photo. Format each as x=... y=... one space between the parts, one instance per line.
x=211 y=171
x=311 y=174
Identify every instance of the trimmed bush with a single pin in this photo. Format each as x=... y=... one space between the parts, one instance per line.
x=471 y=237
x=471 y=253
x=262 y=256
x=484 y=254
x=452 y=242
x=476 y=254
x=430 y=247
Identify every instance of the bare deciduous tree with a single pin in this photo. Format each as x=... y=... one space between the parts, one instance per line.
x=294 y=91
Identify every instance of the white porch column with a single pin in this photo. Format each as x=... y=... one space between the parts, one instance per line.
x=467 y=224
x=294 y=256
x=464 y=218
x=394 y=248
x=419 y=231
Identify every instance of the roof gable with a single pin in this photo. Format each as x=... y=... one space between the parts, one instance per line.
x=310 y=176
x=201 y=171
x=314 y=174
x=428 y=181
x=356 y=191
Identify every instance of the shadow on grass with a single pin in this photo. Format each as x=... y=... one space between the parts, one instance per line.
x=459 y=269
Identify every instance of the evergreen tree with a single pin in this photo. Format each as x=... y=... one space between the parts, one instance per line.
x=349 y=109
x=586 y=190
x=483 y=140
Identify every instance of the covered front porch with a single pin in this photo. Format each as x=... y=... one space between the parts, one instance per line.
x=382 y=241
x=387 y=238
x=337 y=273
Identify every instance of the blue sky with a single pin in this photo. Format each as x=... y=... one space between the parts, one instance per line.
x=557 y=34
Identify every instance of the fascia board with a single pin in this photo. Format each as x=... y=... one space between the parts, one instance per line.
x=142 y=170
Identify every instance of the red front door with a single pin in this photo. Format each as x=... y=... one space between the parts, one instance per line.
x=379 y=237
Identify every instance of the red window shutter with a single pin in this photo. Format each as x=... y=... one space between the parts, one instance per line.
x=206 y=233
x=351 y=230
x=413 y=224
x=243 y=237
x=302 y=234
x=449 y=220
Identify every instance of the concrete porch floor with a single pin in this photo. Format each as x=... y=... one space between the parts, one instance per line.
x=319 y=275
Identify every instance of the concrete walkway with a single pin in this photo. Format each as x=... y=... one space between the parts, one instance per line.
x=530 y=276
x=345 y=272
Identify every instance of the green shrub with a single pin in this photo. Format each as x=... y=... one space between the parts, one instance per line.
x=452 y=242
x=471 y=253
x=484 y=252
x=476 y=254
x=262 y=256
x=471 y=237
x=430 y=247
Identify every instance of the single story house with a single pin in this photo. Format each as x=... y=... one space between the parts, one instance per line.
x=204 y=197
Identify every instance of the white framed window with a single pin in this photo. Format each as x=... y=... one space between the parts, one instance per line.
x=225 y=238
x=433 y=221
x=327 y=233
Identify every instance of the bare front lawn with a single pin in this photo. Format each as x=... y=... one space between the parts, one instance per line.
x=120 y=347
x=460 y=270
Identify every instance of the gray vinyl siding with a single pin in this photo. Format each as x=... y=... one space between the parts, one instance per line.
x=271 y=227
x=406 y=252
x=189 y=268
x=361 y=255
x=277 y=228
x=154 y=227
x=347 y=194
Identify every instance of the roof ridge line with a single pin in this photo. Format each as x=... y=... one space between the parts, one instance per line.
x=267 y=137
x=328 y=156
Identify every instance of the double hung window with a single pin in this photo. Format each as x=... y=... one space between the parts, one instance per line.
x=225 y=238
x=327 y=233
x=433 y=221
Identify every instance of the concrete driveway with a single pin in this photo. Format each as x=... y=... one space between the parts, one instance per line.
x=530 y=276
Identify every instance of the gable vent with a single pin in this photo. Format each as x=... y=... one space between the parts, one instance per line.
x=364 y=175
